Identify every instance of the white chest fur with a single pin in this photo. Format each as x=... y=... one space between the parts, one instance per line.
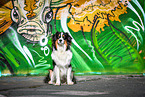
x=61 y=57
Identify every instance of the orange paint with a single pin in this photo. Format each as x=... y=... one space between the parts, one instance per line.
x=140 y=51
x=30 y=6
x=5 y=15
x=84 y=12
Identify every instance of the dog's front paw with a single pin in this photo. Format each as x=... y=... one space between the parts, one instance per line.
x=57 y=84
x=50 y=83
x=70 y=83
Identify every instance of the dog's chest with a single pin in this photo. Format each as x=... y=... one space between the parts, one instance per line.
x=62 y=58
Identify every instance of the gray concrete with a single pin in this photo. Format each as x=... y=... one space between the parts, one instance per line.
x=88 y=86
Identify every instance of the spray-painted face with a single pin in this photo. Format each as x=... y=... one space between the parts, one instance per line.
x=32 y=17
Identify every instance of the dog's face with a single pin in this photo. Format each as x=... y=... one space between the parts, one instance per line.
x=61 y=39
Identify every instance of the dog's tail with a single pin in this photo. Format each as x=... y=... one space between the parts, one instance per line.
x=47 y=79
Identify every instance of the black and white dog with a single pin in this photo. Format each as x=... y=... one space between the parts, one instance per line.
x=61 y=56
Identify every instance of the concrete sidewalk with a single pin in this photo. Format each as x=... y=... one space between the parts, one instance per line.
x=88 y=84
x=7 y=83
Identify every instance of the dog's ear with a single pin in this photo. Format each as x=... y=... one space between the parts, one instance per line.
x=53 y=40
x=69 y=38
x=55 y=36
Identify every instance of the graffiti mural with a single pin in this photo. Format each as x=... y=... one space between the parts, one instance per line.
x=108 y=35
x=32 y=17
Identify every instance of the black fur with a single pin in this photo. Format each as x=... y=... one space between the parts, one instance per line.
x=47 y=79
x=66 y=37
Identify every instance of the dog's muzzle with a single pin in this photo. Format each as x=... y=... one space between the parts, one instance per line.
x=60 y=41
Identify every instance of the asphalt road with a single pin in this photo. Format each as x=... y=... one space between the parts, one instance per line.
x=88 y=86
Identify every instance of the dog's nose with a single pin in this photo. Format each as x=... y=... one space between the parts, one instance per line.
x=60 y=40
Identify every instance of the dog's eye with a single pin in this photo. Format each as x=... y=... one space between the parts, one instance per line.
x=63 y=36
x=59 y=35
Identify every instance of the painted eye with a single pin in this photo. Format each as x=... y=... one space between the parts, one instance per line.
x=47 y=15
x=15 y=15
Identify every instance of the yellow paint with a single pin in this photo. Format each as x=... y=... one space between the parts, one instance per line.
x=85 y=11
x=5 y=16
x=30 y=7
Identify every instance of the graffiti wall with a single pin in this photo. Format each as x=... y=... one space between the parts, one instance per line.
x=108 y=35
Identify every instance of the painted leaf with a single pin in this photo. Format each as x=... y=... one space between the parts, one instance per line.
x=119 y=55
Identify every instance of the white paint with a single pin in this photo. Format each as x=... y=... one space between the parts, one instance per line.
x=14 y=38
x=28 y=53
x=41 y=61
x=46 y=51
x=142 y=10
x=43 y=40
x=65 y=29
x=135 y=23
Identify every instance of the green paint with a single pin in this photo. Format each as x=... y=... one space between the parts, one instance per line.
x=113 y=51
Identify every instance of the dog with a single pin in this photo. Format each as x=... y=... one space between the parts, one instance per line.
x=61 y=56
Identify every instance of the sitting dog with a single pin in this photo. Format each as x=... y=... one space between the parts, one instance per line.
x=61 y=56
